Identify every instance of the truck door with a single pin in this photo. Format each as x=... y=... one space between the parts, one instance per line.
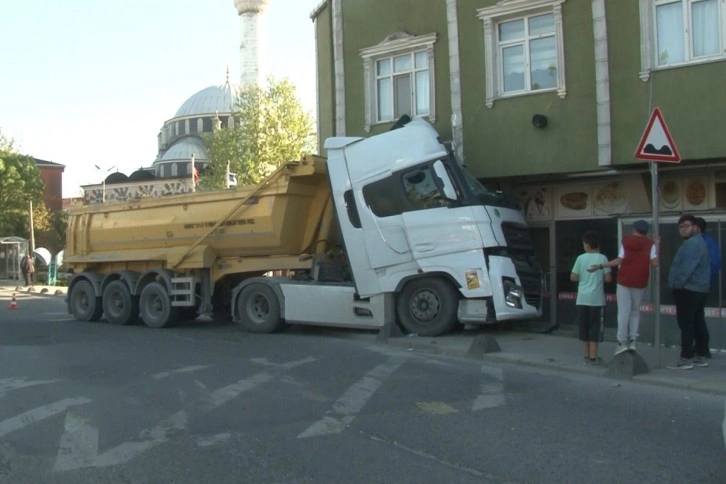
x=383 y=228
x=435 y=225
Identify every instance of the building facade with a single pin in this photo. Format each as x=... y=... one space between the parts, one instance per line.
x=548 y=99
x=52 y=176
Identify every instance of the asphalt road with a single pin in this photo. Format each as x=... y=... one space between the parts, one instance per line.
x=199 y=403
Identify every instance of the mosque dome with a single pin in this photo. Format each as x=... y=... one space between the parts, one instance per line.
x=184 y=148
x=141 y=175
x=116 y=177
x=214 y=99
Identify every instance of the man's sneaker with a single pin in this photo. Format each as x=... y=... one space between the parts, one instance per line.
x=622 y=348
x=631 y=345
x=597 y=362
x=700 y=361
x=682 y=365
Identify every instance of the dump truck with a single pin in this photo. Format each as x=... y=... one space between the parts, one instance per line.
x=388 y=229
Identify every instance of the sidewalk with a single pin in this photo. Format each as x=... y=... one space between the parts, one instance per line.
x=554 y=352
x=563 y=353
x=9 y=286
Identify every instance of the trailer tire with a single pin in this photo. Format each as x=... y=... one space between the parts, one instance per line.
x=84 y=304
x=155 y=306
x=119 y=306
x=259 y=309
x=427 y=307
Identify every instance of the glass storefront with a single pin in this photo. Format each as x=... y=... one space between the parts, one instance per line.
x=568 y=237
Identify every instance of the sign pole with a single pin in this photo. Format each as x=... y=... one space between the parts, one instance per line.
x=656 y=279
x=657 y=145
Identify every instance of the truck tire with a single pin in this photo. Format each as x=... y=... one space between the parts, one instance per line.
x=155 y=306
x=83 y=302
x=259 y=309
x=427 y=307
x=119 y=306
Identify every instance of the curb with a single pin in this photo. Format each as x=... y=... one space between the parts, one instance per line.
x=551 y=364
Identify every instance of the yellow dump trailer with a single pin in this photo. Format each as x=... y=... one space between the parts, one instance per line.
x=277 y=225
x=279 y=218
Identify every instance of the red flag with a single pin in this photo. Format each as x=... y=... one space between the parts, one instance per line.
x=196 y=175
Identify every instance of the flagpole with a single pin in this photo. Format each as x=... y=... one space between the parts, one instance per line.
x=194 y=178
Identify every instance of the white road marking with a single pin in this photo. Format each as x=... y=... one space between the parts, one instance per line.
x=78 y=444
x=36 y=414
x=186 y=369
x=79 y=450
x=9 y=384
x=213 y=440
x=352 y=401
x=225 y=394
x=152 y=437
x=492 y=394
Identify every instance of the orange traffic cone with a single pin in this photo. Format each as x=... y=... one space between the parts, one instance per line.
x=13 y=303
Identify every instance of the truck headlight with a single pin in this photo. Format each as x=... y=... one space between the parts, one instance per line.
x=513 y=293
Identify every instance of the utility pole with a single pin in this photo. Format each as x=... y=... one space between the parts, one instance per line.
x=32 y=232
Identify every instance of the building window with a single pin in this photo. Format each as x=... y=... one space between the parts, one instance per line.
x=399 y=78
x=677 y=32
x=523 y=48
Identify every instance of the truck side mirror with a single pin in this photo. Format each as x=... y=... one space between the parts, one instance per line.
x=448 y=187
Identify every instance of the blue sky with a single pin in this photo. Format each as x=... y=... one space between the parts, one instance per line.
x=88 y=82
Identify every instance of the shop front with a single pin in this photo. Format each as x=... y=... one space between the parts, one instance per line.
x=560 y=213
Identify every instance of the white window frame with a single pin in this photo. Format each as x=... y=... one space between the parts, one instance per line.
x=396 y=44
x=504 y=11
x=649 y=39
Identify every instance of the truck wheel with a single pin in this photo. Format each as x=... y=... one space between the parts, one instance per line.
x=155 y=306
x=259 y=309
x=119 y=306
x=427 y=307
x=83 y=302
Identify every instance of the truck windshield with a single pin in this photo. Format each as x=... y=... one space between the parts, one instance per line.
x=482 y=195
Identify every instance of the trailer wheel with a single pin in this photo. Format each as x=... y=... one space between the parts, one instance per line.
x=155 y=306
x=427 y=307
x=83 y=302
x=259 y=309
x=119 y=306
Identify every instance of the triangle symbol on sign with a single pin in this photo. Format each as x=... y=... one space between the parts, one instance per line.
x=657 y=143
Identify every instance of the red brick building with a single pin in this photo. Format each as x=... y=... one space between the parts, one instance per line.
x=52 y=176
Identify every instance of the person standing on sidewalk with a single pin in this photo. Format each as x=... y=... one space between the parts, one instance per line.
x=27 y=268
x=590 y=294
x=688 y=278
x=715 y=254
x=637 y=253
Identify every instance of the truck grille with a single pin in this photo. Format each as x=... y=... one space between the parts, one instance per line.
x=520 y=249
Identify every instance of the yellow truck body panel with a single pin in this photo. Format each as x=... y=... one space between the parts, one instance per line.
x=280 y=219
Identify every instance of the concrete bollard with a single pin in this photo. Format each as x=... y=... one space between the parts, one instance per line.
x=626 y=365
x=482 y=345
x=388 y=330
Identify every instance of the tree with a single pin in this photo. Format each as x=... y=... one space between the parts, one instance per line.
x=270 y=127
x=50 y=228
x=20 y=184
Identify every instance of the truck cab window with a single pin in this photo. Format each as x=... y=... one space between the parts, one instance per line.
x=421 y=189
x=383 y=197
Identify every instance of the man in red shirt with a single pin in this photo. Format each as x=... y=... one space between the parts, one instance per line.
x=637 y=253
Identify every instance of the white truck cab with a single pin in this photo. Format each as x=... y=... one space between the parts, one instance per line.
x=419 y=227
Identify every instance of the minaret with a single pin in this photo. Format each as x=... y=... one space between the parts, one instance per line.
x=251 y=46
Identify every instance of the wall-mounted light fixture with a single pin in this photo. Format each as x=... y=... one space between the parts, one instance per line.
x=539 y=121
